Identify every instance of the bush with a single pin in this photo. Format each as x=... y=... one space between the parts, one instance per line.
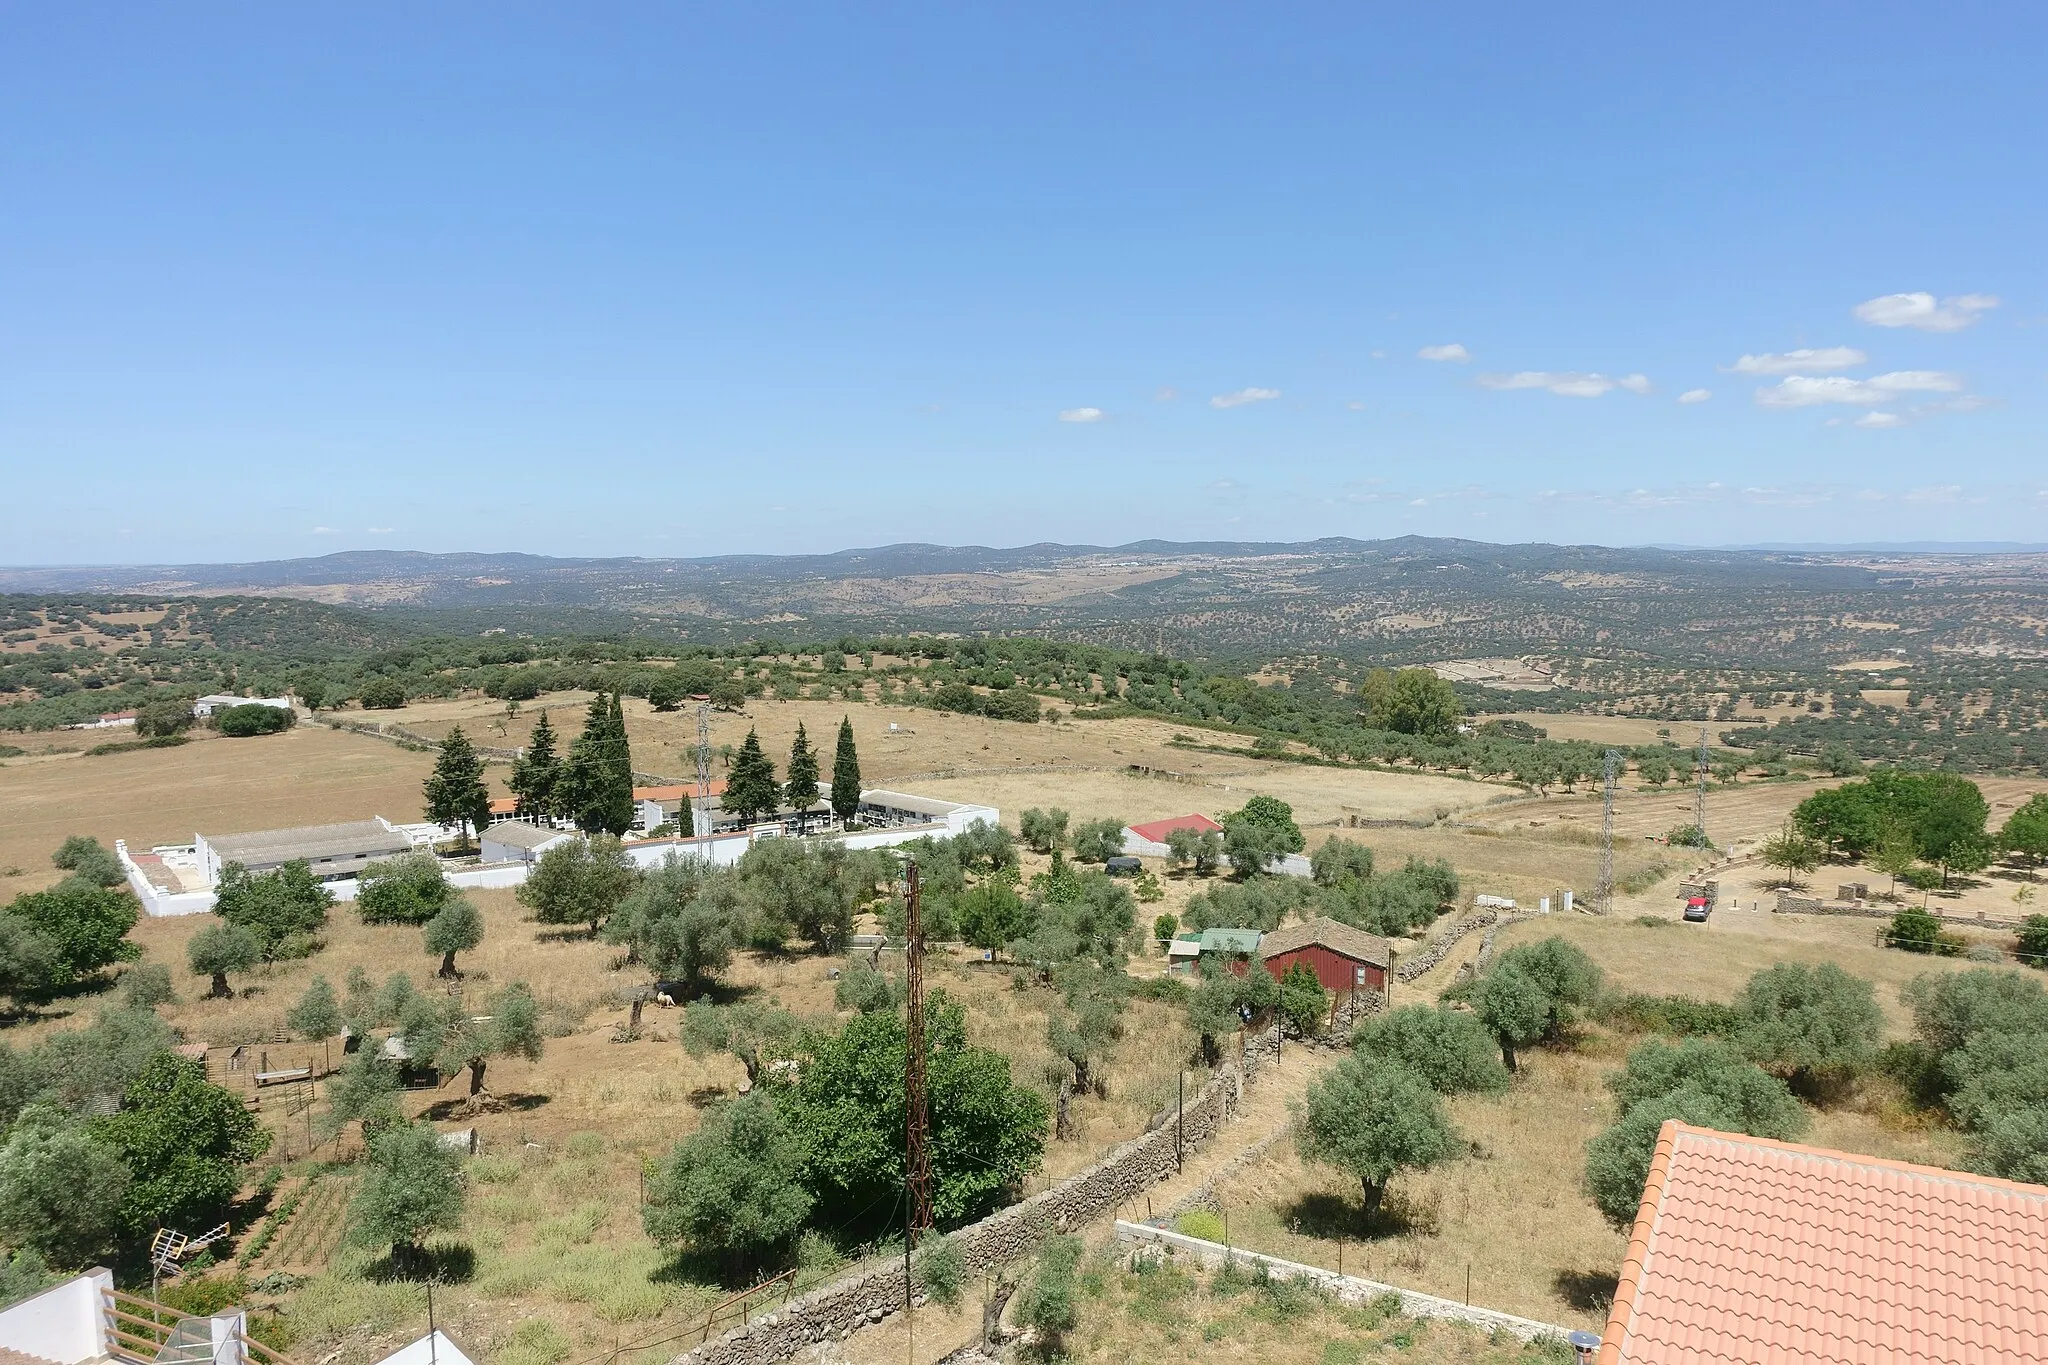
x=86 y=857
x=1449 y=1049
x=383 y=694
x=1200 y=1223
x=1051 y=1306
x=1915 y=931
x=253 y=718
x=1678 y=1015
x=734 y=1188
x=1815 y=1026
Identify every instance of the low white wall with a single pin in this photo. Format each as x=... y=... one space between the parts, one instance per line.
x=66 y=1323
x=1292 y=865
x=155 y=900
x=1345 y=1288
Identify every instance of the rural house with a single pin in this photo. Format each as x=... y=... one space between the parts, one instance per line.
x=333 y=852
x=1149 y=840
x=520 y=841
x=1344 y=959
x=1747 y=1250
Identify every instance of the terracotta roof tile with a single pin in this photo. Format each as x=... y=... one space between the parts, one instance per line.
x=1156 y=831
x=1335 y=935
x=1747 y=1250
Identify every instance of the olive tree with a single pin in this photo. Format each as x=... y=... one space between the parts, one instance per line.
x=219 y=949
x=1372 y=1118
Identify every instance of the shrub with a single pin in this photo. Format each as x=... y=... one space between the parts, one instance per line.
x=1200 y=1223
x=1449 y=1049
x=383 y=694
x=252 y=718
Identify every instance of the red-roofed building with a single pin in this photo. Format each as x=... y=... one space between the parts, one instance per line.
x=1149 y=839
x=1747 y=1251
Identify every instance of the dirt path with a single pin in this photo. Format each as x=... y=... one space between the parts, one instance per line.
x=935 y=1331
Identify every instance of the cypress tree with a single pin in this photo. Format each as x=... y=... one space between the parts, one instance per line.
x=617 y=757
x=845 y=775
x=750 y=791
x=801 y=790
x=455 y=791
x=537 y=773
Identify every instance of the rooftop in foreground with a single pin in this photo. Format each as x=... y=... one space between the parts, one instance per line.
x=1747 y=1250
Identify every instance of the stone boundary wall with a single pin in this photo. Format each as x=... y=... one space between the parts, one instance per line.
x=1808 y=905
x=834 y=1311
x=1486 y=943
x=1344 y=1288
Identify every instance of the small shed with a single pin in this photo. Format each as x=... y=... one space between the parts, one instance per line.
x=518 y=841
x=1234 y=948
x=1149 y=840
x=1182 y=953
x=1344 y=959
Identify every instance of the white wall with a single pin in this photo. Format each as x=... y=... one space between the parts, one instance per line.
x=155 y=900
x=66 y=1323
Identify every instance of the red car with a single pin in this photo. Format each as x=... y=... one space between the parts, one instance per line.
x=1697 y=908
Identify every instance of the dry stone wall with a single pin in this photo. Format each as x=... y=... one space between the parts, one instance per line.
x=834 y=1311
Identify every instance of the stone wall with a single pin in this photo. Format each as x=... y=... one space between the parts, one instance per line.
x=1789 y=904
x=836 y=1310
x=1344 y=1288
x=1440 y=946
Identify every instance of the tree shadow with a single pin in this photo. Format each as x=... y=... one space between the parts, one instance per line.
x=1589 y=1291
x=573 y=933
x=466 y=1106
x=440 y=1262
x=1328 y=1216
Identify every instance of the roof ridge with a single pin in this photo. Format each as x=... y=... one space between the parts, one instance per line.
x=1621 y=1313
x=1864 y=1161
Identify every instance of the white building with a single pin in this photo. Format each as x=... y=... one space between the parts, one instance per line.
x=518 y=841
x=221 y=701
x=333 y=852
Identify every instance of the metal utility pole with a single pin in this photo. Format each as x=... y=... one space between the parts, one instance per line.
x=1699 y=799
x=1603 y=894
x=701 y=824
x=919 y=1165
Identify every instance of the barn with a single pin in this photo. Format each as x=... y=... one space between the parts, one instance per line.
x=1344 y=959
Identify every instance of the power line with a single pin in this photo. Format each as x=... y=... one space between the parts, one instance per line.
x=1699 y=798
x=918 y=1152
x=1603 y=894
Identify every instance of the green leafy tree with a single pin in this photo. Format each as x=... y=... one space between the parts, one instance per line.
x=163 y=717
x=757 y=1034
x=1514 y=1008
x=87 y=857
x=511 y=1030
x=733 y=1189
x=579 y=882
x=61 y=1189
x=311 y=689
x=184 y=1142
x=317 y=1013
x=1303 y=1001
x=802 y=888
x=365 y=1089
x=682 y=919
x=1411 y=701
x=1793 y=853
x=1815 y=1026
x=252 y=718
x=283 y=908
x=864 y=990
x=1051 y=1305
x=2033 y=941
x=751 y=793
x=458 y=928
x=412 y=1189
x=1372 y=1119
x=1251 y=846
x=1199 y=848
x=848 y=1110
x=146 y=986
x=382 y=693
x=596 y=784
x=1451 y=1050
x=220 y=949
x=2013 y=1145
x=85 y=926
x=537 y=773
x=1043 y=830
x=1339 y=862
x=1914 y=930
x=1165 y=926
x=408 y=889
x=1569 y=979
x=455 y=791
x=2025 y=831
x=1894 y=854
x=1097 y=841
x=1274 y=814
x=1084 y=1034
x=28 y=959
x=845 y=775
x=992 y=914
x=800 y=789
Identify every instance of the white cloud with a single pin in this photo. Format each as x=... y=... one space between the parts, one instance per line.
x=1242 y=397
x=1804 y=391
x=1379 y=355
x=1167 y=393
x=325 y=531
x=1879 y=420
x=1695 y=395
x=1355 y=406
x=1806 y=360
x=1566 y=383
x=1082 y=415
x=1945 y=492
x=1452 y=352
x=1922 y=311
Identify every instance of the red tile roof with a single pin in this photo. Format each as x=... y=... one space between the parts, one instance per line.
x=686 y=791
x=1157 y=831
x=1747 y=1250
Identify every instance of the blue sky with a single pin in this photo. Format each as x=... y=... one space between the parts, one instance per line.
x=660 y=279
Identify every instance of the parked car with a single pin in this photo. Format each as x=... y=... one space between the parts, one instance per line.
x=1697 y=908
x=1123 y=867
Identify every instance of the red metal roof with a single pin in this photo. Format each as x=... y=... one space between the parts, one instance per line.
x=1747 y=1250
x=685 y=791
x=1157 y=830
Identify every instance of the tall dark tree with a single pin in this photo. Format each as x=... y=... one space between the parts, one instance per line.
x=538 y=772
x=597 y=781
x=455 y=790
x=618 y=770
x=801 y=789
x=845 y=774
x=750 y=790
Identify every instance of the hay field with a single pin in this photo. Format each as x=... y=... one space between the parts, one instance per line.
x=307 y=775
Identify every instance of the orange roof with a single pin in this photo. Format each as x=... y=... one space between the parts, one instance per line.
x=504 y=805
x=684 y=791
x=1747 y=1250
x=1157 y=831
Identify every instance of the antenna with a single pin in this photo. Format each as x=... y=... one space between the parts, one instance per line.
x=701 y=826
x=1610 y=772
x=918 y=1153
x=1699 y=799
